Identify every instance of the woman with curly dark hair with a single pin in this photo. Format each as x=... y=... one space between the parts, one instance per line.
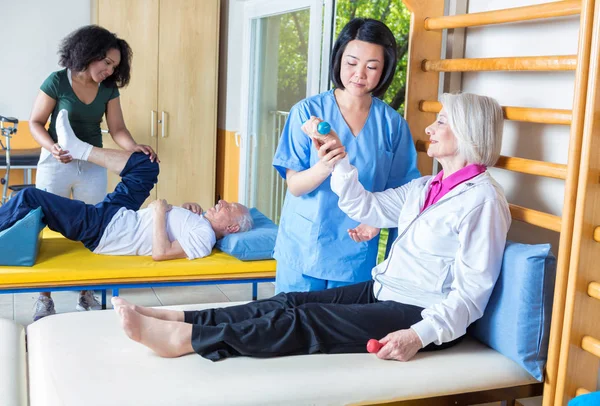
x=97 y=63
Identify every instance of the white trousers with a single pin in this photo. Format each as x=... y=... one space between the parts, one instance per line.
x=82 y=180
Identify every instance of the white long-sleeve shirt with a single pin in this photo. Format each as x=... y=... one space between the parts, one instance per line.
x=446 y=259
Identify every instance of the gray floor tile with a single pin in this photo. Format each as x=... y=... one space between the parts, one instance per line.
x=6 y=311
x=536 y=401
x=22 y=311
x=243 y=291
x=64 y=302
x=6 y=299
x=190 y=295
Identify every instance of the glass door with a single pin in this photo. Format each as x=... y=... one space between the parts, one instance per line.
x=283 y=65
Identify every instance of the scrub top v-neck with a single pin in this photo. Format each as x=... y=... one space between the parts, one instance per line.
x=313 y=237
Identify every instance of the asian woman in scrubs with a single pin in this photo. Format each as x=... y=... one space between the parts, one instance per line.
x=318 y=246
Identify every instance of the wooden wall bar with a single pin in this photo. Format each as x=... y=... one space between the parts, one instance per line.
x=547 y=10
x=581 y=391
x=525 y=63
x=525 y=114
x=594 y=290
x=590 y=344
x=536 y=218
x=522 y=165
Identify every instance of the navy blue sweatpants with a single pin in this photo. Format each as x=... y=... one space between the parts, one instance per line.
x=85 y=222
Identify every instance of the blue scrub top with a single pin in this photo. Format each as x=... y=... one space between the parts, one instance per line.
x=313 y=237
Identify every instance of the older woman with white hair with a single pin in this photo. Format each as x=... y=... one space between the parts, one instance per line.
x=436 y=281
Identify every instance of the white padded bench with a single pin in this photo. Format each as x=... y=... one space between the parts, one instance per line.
x=13 y=364
x=86 y=357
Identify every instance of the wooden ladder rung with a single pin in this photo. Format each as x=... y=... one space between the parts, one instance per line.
x=591 y=345
x=532 y=167
x=582 y=391
x=594 y=290
x=597 y=234
x=526 y=114
x=510 y=15
x=522 y=165
x=536 y=218
x=525 y=63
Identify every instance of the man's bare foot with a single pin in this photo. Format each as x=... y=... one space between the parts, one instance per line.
x=162 y=314
x=168 y=339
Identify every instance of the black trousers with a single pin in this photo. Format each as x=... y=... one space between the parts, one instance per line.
x=339 y=320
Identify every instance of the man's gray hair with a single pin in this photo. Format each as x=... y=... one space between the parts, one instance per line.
x=245 y=221
x=477 y=123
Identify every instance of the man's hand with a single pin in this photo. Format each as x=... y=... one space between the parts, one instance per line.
x=160 y=206
x=363 y=233
x=193 y=207
x=400 y=345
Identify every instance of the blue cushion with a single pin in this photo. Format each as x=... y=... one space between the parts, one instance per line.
x=19 y=244
x=516 y=321
x=591 y=399
x=255 y=244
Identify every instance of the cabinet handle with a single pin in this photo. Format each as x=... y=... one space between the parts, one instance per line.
x=152 y=123
x=164 y=125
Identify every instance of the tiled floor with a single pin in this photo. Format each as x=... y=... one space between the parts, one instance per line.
x=19 y=307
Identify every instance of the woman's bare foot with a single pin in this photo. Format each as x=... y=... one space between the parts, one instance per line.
x=119 y=302
x=168 y=339
x=162 y=314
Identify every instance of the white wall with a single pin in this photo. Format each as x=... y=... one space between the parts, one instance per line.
x=30 y=32
x=527 y=89
x=230 y=64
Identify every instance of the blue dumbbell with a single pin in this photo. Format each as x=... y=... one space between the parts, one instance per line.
x=323 y=128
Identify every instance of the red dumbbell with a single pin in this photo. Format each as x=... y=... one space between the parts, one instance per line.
x=373 y=346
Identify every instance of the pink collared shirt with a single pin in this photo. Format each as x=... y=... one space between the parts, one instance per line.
x=439 y=187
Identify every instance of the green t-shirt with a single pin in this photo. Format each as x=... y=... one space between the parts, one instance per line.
x=85 y=119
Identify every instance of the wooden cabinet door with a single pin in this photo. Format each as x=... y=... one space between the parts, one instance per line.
x=136 y=21
x=187 y=94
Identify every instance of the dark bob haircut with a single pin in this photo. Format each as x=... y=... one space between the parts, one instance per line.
x=91 y=43
x=367 y=30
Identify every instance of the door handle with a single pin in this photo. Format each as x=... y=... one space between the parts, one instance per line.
x=163 y=122
x=152 y=123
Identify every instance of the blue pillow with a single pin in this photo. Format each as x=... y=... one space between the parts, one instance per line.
x=591 y=399
x=19 y=244
x=255 y=244
x=516 y=321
